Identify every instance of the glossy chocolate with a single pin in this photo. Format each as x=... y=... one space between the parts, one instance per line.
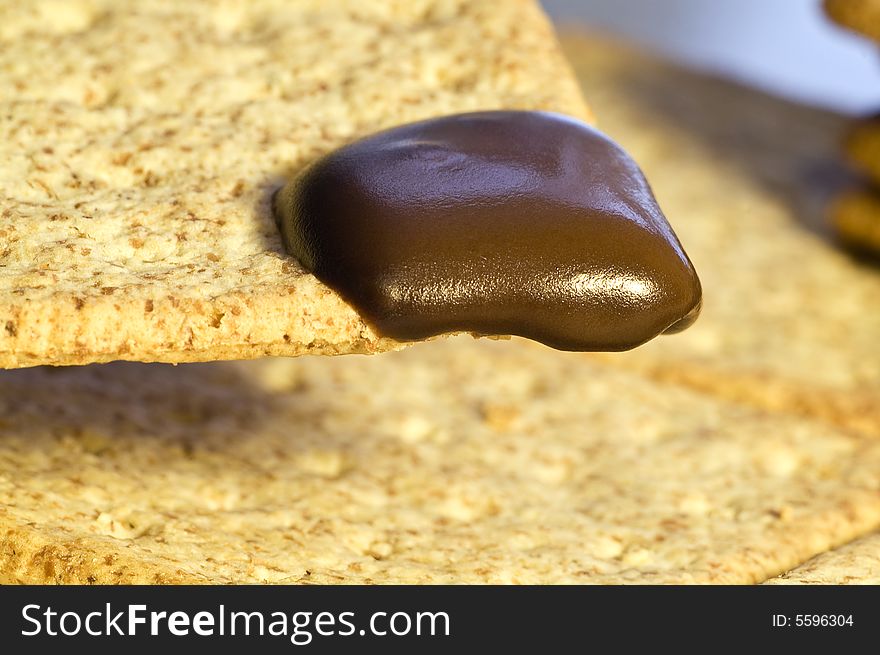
x=495 y=223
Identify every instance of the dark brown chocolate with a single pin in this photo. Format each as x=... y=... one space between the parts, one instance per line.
x=502 y=222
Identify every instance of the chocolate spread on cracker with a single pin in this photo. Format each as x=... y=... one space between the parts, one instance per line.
x=496 y=223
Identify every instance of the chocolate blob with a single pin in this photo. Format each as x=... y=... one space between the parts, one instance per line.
x=496 y=223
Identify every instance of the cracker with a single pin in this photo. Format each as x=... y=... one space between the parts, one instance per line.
x=459 y=461
x=143 y=140
x=789 y=320
x=860 y=15
x=862 y=147
x=855 y=563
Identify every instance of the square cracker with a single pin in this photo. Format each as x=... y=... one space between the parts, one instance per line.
x=790 y=321
x=141 y=141
x=459 y=461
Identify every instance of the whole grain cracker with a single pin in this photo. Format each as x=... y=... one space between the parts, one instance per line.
x=459 y=461
x=142 y=140
x=470 y=461
x=790 y=321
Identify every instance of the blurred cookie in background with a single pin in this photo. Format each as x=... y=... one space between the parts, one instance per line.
x=862 y=147
x=856 y=219
x=856 y=215
x=863 y=16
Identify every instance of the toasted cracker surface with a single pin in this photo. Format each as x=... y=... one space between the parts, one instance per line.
x=142 y=141
x=790 y=320
x=458 y=461
x=855 y=563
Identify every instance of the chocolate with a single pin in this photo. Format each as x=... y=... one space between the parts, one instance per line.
x=495 y=223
